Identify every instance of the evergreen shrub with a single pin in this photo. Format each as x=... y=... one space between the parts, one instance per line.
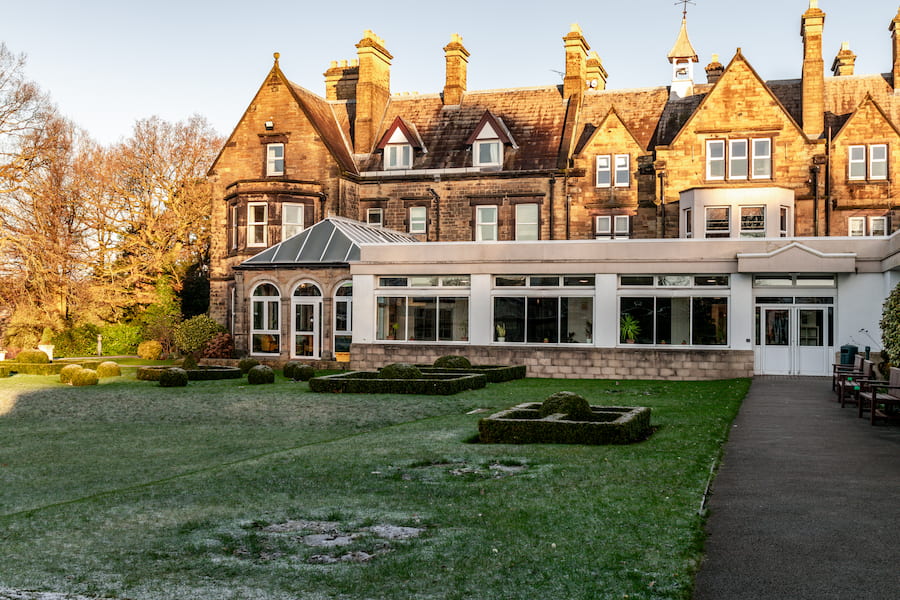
x=890 y=329
x=303 y=373
x=400 y=371
x=575 y=407
x=83 y=377
x=452 y=361
x=361 y=382
x=189 y=362
x=67 y=372
x=246 y=364
x=288 y=369
x=260 y=374
x=220 y=345
x=34 y=357
x=108 y=369
x=192 y=335
x=150 y=350
x=173 y=377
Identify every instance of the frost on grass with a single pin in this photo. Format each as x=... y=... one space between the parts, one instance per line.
x=8 y=594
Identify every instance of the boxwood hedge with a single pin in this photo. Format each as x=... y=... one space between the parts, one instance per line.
x=365 y=382
x=204 y=373
x=522 y=424
x=494 y=373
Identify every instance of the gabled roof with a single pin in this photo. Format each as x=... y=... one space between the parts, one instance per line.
x=590 y=132
x=408 y=130
x=866 y=102
x=497 y=125
x=334 y=240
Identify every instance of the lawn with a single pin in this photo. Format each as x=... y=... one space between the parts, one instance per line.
x=227 y=491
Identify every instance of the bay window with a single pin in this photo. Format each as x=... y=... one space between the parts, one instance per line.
x=257 y=224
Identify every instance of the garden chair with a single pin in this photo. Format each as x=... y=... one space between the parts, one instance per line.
x=838 y=369
x=884 y=394
x=853 y=383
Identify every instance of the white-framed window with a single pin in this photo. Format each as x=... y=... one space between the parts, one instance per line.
x=737 y=159
x=375 y=216
x=689 y=222
x=867 y=162
x=418 y=219
x=527 y=227
x=612 y=226
x=718 y=221
x=613 y=170
x=265 y=320
x=291 y=220
x=274 y=159
x=487 y=153
x=744 y=158
x=234 y=227
x=878 y=226
x=783 y=221
x=856 y=226
x=753 y=221
x=486 y=223
x=257 y=224
x=343 y=317
x=398 y=156
x=715 y=159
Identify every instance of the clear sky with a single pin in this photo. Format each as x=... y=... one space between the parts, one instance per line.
x=108 y=63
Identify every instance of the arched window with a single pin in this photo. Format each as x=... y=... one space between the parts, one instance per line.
x=343 y=317
x=265 y=313
x=307 y=289
x=306 y=315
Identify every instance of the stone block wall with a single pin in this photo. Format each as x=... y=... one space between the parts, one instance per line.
x=573 y=363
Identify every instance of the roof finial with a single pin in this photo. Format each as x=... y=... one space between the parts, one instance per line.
x=684 y=7
x=277 y=55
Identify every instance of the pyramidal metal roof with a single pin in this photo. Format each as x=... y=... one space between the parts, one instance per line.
x=333 y=240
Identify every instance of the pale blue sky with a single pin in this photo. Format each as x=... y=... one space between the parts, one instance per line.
x=108 y=63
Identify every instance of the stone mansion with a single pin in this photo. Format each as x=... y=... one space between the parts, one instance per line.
x=744 y=225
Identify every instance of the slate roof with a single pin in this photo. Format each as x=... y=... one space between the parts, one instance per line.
x=334 y=240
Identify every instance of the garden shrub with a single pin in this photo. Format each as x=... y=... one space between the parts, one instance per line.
x=260 y=374
x=77 y=341
x=150 y=350
x=523 y=425
x=34 y=357
x=575 y=407
x=189 y=362
x=85 y=377
x=246 y=364
x=453 y=361
x=303 y=373
x=193 y=334
x=108 y=369
x=173 y=377
x=890 y=329
x=494 y=373
x=119 y=338
x=400 y=371
x=361 y=382
x=67 y=372
x=288 y=369
x=221 y=345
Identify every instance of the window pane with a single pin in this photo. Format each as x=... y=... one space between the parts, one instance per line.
x=509 y=281
x=526 y=222
x=673 y=320
x=578 y=280
x=392 y=281
x=543 y=320
x=621 y=225
x=272 y=316
x=342 y=316
x=762 y=158
x=307 y=289
x=640 y=310
x=674 y=281
x=878 y=168
x=623 y=174
x=636 y=280
x=456 y=281
x=718 y=222
x=604 y=173
x=390 y=319
x=509 y=314
x=453 y=319
x=878 y=226
x=715 y=159
x=259 y=309
x=711 y=280
x=709 y=321
x=544 y=281
x=857 y=162
x=753 y=221
x=777 y=327
x=576 y=320
x=423 y=281
x=738 y=164
x=423 y=319
x=857 y=226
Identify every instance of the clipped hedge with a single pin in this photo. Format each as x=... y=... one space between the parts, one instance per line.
x=522 y=425
x=260 y=374
x=34 y=357
x=83 y=377
x=303 y=373
x=365 y=382
x=108 y=369
x=67 y=372
x=570 y=404
x=173 y=377
x=245 y=364
x=204 y=373
x=5 y=372
x=453 y=361
x=399 y=371
x=494 y=373
x=34 y=369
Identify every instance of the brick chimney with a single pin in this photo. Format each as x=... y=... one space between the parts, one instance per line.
x=844 y=62
x=714 y=70
x=813 y=82
x=576 y=62
x=341 y=79
x=596 y=74
x=895 y=43
x=457 y=59
x=373 y=90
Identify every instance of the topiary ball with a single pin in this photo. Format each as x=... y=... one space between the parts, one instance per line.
x=304 y=372
x=36 y=357
x=400 y=371
x=108 y=369
x=452 y=361
x=85 y=377
x=150 y=350
x=260 y=374
x=173 y=377
x=246 y=364
x=575 y=407
x=288 y=369
x=67 y=372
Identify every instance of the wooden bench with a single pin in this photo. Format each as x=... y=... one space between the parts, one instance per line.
x=851 y=383
x=838 y=369
x=882 y=398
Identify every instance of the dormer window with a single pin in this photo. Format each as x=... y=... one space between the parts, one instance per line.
x=488 y=142
x=399 y=144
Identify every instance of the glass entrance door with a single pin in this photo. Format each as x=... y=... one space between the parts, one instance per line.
x=306 y=329
x=795 y=341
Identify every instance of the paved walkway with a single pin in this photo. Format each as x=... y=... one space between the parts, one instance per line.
x=806 y=504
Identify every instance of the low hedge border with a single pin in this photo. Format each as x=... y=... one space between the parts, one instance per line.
x=5 y=372
x=34 y=368
x=367 y=382
x=522 y=425
x=206 y=373
x=494 y=373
